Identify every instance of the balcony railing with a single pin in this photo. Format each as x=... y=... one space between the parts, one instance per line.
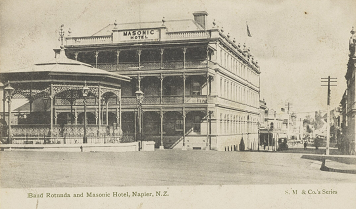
x=59 y=101
x=153 y=65
x=172 y=99
x=196 y=99
x=89 y=40
x=152 y=100
x=67 y=140
x=179 y=35
x=67 y=134
x=173 y=65
x=187 y=35
x=200 y=99
x=31 y=130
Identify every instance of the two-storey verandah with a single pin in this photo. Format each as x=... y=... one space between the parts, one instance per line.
x=170 y=62
x=166 y=107
x=176 y=80
x=55 y=109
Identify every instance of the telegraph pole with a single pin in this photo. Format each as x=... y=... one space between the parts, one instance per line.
x=288 y=107
x=288 y=123
x=328 y=80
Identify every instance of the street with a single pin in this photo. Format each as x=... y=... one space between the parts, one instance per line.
x=24 y=169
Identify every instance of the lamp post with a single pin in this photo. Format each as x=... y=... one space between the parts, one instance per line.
x=8 y=92
x=139 y=97
x=85 y=92
x=209 y=132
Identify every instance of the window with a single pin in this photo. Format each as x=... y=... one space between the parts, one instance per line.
x=225 y=124
x=230 y=90
x=195 y=88
x=225 y=88
x=196 y=123
x=179 y=125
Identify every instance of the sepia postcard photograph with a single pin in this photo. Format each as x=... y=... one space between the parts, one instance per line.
x=177 y=104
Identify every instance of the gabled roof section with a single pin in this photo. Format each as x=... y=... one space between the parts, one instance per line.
x=171 y=25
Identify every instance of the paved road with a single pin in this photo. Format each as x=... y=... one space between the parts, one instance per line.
x=21 y=169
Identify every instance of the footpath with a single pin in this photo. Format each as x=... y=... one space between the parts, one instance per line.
x=335 y=162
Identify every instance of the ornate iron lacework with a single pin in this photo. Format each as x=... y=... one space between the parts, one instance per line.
x=30 y=131
x=104 y=90
x=93 y=90
x=32 y=94
x=78 y=88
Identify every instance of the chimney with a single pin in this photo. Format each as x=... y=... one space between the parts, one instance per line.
x=201 y=18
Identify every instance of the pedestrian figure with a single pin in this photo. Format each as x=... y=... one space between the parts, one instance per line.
x=305 y=144
x=316 y=143
x=264 y=145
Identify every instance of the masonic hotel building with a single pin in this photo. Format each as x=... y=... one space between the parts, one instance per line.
x=201 y=89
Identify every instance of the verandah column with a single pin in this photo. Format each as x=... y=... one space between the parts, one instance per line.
x=96 y=116
x=107 y=112
x=207 y=86
x=3 y=104
x=55 y=117
x=117 y=59
x=210 y=128
x=51 y=101
x=139 y=58
x=207 y=57
x=184 y=51
x=184 y=78
x=161 y=114
x=139 y=82
x=161 y=90
x=184 y=131
x=9 y=117
x=161 y=65
x=135 y=121
x=99 y=108
x=207 y=129
x=75 y=116
x=120 y=120
x=117 y=116
x=31 y=99
x=96 y=58
x=117 y=122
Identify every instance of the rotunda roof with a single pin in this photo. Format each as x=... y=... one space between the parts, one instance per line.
x=62 y=65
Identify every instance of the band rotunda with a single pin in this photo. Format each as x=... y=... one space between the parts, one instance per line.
x=190 y=87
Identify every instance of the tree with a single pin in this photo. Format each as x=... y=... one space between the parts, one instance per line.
x=308 y=124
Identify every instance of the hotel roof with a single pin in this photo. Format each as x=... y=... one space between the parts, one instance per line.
x=171 y=25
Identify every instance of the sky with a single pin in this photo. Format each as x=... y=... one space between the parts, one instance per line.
x=296 y=42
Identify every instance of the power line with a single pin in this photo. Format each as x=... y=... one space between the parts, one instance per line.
x=329 y=81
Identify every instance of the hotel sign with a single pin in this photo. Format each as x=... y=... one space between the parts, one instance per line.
x=139 y=35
